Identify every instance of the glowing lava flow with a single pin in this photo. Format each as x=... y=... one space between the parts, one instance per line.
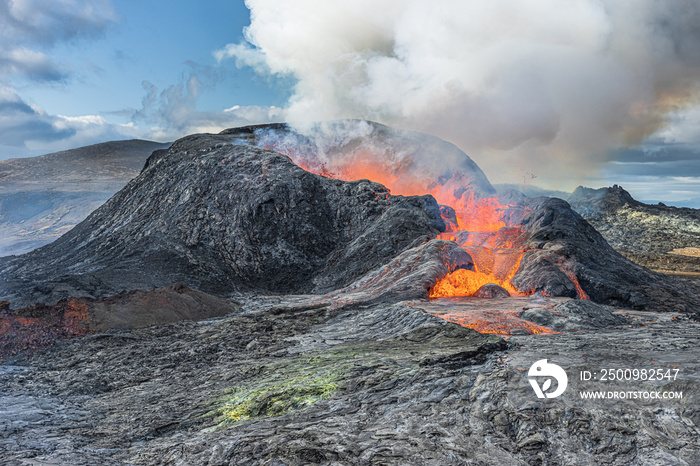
x=568 y=270
x=497 y=322
x=480 y=225
x=476 y=223
x=466 y=282
x=495 y=248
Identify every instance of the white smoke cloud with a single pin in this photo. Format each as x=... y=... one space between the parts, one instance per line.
x=172 y=113
x=543 y=86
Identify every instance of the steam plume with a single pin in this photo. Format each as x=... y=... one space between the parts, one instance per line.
x=546 y=86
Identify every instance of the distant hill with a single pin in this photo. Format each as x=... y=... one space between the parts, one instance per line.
x=657 y=236
x=43 y=197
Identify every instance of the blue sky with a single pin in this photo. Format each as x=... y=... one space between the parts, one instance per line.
x=590 y=92
x=162 y=42
x=79 y=72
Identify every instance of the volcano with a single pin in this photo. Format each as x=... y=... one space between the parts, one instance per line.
x=353 y=322
x=242 y=212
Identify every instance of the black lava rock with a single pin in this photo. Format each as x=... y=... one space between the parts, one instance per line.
x=223 y=218
x=563 y=248
x=491 y=290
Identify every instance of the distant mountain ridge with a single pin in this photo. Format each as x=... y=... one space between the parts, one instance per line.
x=657 y=236
x=591 y=201
x=113 y=160
x=43 y=197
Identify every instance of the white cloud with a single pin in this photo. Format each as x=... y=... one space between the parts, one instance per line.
x=28 y=31
x=35 y=65
x=26 y=25
x=52 y=21
x=684 y=128
x=26 y=129
x=547 y=86
x=83 y=130
x=172 y=113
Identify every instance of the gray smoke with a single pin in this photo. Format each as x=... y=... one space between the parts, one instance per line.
x=546 y=87
x=406 y=162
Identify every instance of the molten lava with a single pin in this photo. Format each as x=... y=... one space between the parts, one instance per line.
x=496 y=256
x=472 y=213
x=498 y=323
x=480 y=225
x=466 y=282
x=476 y=223
x=568 y=269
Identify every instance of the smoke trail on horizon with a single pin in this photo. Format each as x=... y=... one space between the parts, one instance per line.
x=545 y=86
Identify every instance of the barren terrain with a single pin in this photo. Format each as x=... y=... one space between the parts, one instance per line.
x=228 y=307
x=43 y=197
x=284 y=383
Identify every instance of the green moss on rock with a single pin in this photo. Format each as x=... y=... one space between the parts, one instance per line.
x=279 y=393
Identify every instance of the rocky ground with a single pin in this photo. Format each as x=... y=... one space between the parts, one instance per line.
x=43 y=324
x=284 y=382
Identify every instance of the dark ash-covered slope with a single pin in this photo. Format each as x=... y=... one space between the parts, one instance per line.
x=223 y=218
x=561 y=245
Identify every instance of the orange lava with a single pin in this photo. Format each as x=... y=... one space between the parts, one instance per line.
x=581 y=294
x=472 y=213
x=465 y=283
x=490 y=242
x=497 y=323
x=479 y=225
x=478 y=214
x=568 y=270
x=496 y=256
